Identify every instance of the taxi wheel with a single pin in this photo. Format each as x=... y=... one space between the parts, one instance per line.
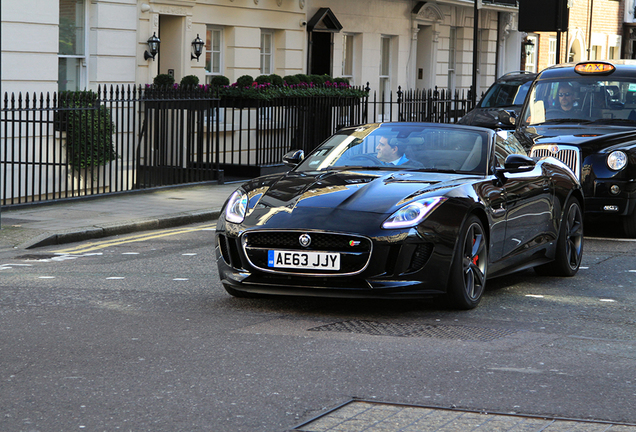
x=629 y=225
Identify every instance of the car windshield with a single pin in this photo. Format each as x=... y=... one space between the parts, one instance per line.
x=402 y=147
x=583 y=100
x=504 y=94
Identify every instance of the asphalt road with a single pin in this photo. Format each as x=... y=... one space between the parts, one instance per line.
x=141 y=336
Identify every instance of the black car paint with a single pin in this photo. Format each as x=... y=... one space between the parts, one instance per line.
x=515 y=212
x=499 y=117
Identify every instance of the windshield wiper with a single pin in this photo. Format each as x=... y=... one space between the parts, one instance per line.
x=610 y=121
x=564 y=120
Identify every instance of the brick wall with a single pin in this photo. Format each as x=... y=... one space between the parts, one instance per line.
x=607 y=23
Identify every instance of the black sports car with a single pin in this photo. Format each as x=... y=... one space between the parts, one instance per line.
x=502 y=102
x=457 y=205
x=585 y=115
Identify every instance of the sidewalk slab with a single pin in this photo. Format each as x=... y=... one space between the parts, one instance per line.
x=68 y=221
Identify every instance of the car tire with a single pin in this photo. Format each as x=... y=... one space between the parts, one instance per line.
x=629 y=225
x=467 y=279
x=569 y=243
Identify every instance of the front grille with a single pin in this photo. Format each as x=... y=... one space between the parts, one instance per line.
x=319 y=241
x=354 y=250
x=569 y=155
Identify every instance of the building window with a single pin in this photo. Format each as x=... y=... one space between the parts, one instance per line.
x=552 y=45
x=347 y=56
x=531 y=55
x=72 y=45
x=613 y=52
x=267 y=49
x=452 y=54
x=385 y=64
x=213 y=52
x=596 y=52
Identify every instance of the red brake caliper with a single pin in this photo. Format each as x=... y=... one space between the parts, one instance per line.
x=476 y=256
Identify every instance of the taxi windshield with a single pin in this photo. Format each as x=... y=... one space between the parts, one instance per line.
x=581 y=100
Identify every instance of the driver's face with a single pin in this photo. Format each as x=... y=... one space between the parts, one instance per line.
x=386 y=153
x=566 y=98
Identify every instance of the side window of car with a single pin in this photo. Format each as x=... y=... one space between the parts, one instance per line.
x=506 y=147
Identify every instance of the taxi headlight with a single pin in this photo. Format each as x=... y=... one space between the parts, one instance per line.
x=617 y=160
x=412 y=213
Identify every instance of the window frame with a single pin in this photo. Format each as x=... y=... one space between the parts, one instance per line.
x=82 y=63
x=552 y=45
x=348 y=53
x=267 y=58
x=209 y=51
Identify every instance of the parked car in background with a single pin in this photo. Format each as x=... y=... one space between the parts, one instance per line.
x=462 y=205
x=585 y=115
x=504 y=97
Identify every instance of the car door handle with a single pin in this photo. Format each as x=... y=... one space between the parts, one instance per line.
x=501 y=210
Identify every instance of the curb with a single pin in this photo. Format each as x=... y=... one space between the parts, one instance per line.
x=118 y=228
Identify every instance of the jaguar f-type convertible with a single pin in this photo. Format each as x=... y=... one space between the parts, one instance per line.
x=401 y=210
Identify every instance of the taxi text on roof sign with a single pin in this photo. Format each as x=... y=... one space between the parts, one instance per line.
x=594 y=68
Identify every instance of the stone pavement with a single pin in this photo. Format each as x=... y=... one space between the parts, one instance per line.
x=67 y=221
x=359 y=415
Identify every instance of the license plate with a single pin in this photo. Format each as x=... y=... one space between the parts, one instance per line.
x=303 y=260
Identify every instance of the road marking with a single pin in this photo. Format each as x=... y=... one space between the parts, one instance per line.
x=131 y=239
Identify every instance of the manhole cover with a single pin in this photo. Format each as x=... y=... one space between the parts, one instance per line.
x=438 y=331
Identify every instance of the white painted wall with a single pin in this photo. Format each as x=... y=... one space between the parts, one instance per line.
x=119 y=30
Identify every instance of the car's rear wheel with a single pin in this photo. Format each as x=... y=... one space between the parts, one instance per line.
x=470 y=262
x=569 y=244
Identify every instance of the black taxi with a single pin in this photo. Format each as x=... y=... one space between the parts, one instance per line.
x=585 y=115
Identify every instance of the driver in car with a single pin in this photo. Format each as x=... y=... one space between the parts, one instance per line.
x=566 y=97
x=391 y=151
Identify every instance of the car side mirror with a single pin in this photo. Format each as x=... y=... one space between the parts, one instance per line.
x=515 y=163
x=293 y=158
x=512 y=117
x=519 y=163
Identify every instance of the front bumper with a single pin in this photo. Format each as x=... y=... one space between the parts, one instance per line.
x=395 y=270
x=603 y=201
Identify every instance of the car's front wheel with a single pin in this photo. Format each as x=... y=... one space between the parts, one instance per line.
x=569 y=244
x=470 y=262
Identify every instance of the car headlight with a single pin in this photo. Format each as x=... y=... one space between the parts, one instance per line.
x=412 y=213
x=617 y=160
x=236 y=207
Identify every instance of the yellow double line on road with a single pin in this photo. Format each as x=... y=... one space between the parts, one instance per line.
x=131 y=239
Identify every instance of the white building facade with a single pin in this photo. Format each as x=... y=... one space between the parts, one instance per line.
x=53 y=45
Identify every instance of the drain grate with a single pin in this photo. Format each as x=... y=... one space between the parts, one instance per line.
x=438 y=331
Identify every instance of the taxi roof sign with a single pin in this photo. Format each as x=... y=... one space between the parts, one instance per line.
x=591 y=68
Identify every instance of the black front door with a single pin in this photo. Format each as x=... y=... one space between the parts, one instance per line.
x=321 y=46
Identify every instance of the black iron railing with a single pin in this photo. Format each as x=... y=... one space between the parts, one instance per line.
x=118 y=139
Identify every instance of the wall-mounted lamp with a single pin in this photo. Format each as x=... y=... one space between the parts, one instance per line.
x=153 y=45
x=197 y=48
x=528 y=47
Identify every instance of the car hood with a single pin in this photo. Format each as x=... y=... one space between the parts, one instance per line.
x=490 y=117
x=591 y=138
x=331 y=197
